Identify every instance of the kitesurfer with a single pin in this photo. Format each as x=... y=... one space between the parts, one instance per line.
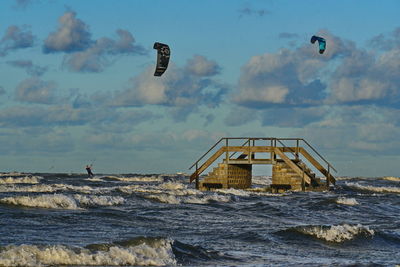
x=89 y=171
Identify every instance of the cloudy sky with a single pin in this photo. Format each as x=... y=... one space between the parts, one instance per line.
x=77 y=84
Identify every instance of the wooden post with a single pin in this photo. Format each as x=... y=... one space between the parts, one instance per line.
x=327 y=178
x=197 y=177
x=249 y=153
x=272 y=152
x=226 y=152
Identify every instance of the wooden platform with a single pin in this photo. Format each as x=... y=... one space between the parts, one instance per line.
x=290 y=171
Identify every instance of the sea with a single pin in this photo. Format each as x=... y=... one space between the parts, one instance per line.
x=66 y=219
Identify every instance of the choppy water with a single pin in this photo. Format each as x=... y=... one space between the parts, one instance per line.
x=67 y=219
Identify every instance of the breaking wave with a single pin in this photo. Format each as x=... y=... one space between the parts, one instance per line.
x=379 y=189
x=391 y=178
x=91 y=201
x=136 y=178
x=56 y=201
x=261 y=180
x=347 y=201
x=94 y=179
x=60 y=201
x=11 y=174
x=150 y=252
x=336 y=233
x=20 y=180
x=49 y=188
x=42 y=188
x=173 y=199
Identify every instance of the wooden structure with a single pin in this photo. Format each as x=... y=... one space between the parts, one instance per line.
x=289 y=157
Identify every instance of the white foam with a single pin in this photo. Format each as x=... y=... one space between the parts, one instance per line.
x=337 y=233
x=130 y=189
x=94 y=179
x=172 y=186
x=20 y=180
x=344 y=178
x=41 y=188
x=261 y=180
x=203 y=199
x=379 y=189
x=11 y=174
x=347 y=201
x=92 y=200
x=55 y=201
x=137 y=178
x=33 y=188
x=391 y=178
x=236 y=192
x=158 y=254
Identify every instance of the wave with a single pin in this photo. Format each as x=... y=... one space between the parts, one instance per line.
x=50 y=188
x=136 y=178
x=336 y=233
x=391 y=178
x=150 y=252
x=40 y=188
x=347 y=201
x=232 y=191
x=173 y=199
x=95 y=179
x=172 y=188
x=92 y=201
x=343 y=178
x=56 y=201
x=130 y=189
x=379 y=189
x=261 y=180
x=60 y=201
x=11 y=174
x=20 y=180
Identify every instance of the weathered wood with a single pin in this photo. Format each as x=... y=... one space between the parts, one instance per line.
x=317 y=165
x=292 y=165
x=207 y=163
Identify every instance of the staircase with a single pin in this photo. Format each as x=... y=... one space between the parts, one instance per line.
x=290 y=170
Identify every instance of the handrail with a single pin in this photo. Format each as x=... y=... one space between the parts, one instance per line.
x=315 y=151
x=248 y=141
x=283 y=145
x=268 y=139
x=207 y=152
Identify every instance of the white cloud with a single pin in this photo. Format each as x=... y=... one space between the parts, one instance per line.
x=16 y=38
x=34 y=90
x=201 y=66
x=72 y=35
x=182 y=89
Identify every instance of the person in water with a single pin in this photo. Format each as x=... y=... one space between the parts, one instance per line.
x=89 y=171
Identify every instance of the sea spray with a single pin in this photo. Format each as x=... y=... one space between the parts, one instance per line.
x=156 y=254
x=92 y=200
x=347 y=201
x=20 y=180
x=136 y=178
x=55 y=201
x=378 y=189
x=391 y=178
x=336 y=233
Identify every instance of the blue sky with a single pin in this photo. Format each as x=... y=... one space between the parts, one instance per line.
x=76 y=83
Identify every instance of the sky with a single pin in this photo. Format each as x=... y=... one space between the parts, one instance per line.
x=77 y=84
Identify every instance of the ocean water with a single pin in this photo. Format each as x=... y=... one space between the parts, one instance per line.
x=161 y=220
